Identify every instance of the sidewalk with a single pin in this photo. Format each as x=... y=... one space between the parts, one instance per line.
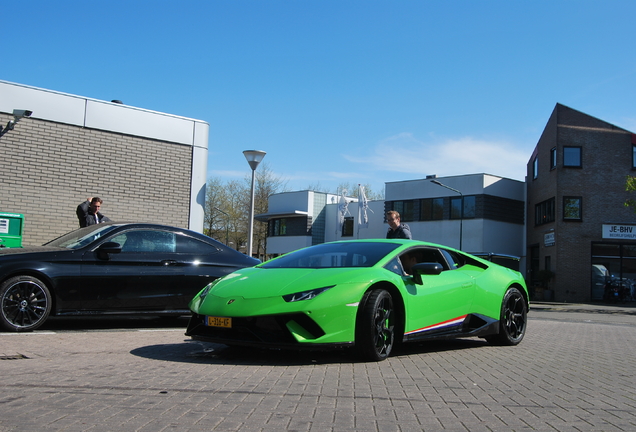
x=617 y=313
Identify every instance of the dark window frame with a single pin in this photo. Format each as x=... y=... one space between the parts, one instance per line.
x=553 y=158
x=347 y=227
x=465 y=201
x=566 y=157
x=544 y=212
x=566 y=207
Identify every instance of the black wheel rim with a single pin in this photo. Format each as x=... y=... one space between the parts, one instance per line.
x=383 y=322
x=515 y=316
x=24 y=304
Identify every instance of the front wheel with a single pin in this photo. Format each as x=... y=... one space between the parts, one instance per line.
x=375 y=328
x=25 y=303
x=513 y=320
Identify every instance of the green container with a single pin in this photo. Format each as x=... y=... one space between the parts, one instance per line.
x=11 y=227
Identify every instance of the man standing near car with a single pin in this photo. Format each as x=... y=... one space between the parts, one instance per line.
x=396 y=228
x=88 y=212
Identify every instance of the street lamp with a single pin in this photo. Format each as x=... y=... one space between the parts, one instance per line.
x=461 y=209
x=254 y=157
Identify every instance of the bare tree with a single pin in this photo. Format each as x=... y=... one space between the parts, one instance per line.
x=215 y=221
x=266 y=184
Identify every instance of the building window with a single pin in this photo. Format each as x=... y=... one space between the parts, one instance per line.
x=456 y=207
x=535 y=167
x=553 y=158
x=347 y=227
x=572 y=208
x=432 y=209
x=280 y=227
x=572 y=157
x=406 y=209
x=634 y=156
x=544 y=212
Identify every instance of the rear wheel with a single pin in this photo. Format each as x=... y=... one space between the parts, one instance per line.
x=375 y=329
x=25 y=303
x=513 y=320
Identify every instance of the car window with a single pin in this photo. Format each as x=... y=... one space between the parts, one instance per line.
x=454 y=259
x=330 y=255
x=146 y=241
x=81 y=237
x=189 y=245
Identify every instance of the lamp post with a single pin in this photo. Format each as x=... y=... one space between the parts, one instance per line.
x=461 y=209
x=254 y=157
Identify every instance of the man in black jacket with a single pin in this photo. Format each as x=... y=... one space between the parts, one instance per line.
x=397 y=229
x=88 y=212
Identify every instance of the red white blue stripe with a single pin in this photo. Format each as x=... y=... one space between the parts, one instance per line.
x=439 y=326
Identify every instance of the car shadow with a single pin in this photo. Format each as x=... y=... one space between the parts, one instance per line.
x=210 y=353
x=115 y=322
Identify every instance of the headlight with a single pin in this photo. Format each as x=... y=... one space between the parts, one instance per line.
x=207 y=289
x=305 y=295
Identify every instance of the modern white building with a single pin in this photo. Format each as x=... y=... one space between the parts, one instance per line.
x=487 y=210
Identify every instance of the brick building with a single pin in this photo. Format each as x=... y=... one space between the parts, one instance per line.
x=578 y=228
x=146 y=166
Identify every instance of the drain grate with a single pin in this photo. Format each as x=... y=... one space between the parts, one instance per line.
x=13 y=357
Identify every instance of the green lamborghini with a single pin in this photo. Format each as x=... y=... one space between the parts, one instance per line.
x=368 y=295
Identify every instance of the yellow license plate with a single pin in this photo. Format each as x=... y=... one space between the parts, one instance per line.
x=224 y=322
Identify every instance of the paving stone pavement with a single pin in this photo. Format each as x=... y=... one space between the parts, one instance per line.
x=574 y=371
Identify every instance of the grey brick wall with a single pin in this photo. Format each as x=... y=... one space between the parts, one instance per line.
x=48 y=168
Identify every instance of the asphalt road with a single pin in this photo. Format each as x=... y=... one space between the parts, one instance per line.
x=574 y=371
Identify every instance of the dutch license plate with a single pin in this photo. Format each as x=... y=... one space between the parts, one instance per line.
x=224 y=322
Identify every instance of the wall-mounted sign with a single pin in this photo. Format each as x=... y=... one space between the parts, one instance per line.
x=548 y=239
x=619 y=231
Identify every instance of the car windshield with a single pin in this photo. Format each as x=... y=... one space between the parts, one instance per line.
x=331 y=255
x=81 y=237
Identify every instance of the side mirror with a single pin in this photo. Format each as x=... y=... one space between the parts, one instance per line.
x=431 y=269
x=108 y=248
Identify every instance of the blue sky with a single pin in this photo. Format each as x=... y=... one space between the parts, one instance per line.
x=340 y=91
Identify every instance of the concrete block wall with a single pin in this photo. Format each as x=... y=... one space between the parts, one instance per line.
x=48 y=168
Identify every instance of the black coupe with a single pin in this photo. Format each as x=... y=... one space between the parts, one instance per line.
x=131 y=268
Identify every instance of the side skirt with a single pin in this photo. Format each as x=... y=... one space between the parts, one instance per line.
x=465 y=326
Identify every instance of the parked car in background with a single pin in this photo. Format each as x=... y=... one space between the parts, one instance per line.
x=363 y=294
x=116 y=268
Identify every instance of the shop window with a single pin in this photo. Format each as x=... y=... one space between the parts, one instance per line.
x=544 y=212
x=572 y=157
x=572 y=208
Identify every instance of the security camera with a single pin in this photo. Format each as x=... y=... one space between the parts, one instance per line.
x=18 y=114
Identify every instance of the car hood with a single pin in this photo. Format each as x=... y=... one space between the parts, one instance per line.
x=268 y=282
x=30 y=249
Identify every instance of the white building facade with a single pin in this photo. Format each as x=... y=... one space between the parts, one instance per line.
x=488 y=210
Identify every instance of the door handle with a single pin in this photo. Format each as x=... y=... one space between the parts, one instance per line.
x=169 y=262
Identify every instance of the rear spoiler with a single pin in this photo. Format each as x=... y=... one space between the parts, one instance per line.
x=510 y=261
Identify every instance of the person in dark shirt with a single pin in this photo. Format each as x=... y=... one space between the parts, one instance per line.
x=88 y=212
x=396 y=228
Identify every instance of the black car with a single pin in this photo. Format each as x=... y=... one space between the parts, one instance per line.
x=118 y=268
